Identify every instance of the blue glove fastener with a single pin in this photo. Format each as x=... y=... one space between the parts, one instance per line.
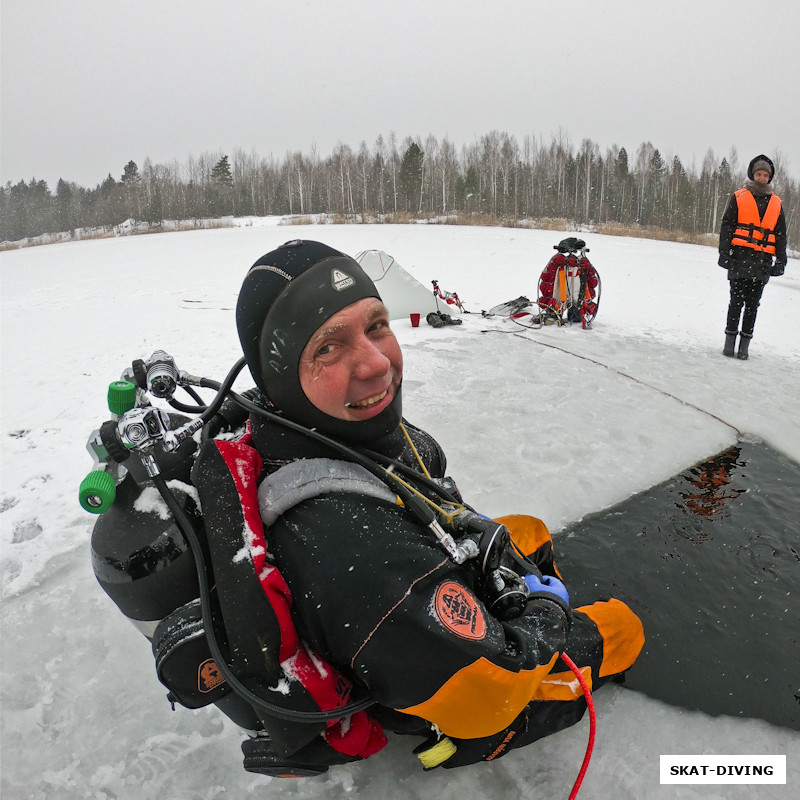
x=549 y=584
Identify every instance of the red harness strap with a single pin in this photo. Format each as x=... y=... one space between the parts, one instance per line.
x=357 y=735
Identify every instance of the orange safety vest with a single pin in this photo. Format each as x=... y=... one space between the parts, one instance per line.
x=751 y=230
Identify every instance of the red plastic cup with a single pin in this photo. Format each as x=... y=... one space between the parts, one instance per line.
x=414 y=320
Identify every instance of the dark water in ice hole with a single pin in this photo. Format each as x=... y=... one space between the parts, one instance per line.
x=710 y=561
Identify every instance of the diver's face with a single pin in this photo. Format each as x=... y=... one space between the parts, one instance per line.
x=352 y=366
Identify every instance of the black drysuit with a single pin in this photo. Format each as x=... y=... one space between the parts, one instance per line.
x=377 y=596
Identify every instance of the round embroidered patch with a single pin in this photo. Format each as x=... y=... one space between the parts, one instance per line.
x=459 y=611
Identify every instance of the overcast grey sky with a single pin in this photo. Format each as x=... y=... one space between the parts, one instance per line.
x=88 y=85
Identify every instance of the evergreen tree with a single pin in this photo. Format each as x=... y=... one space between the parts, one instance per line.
x=622 y=164
x=131 y=182
x=724 y=188
x=30 y=210
x=682 y=212
x=130 y=174
x=655 y=180
x=621 y=190
x=410 y=177
x=725 y=178
x=221 y=173
x=67 y=212
x=222 y=188
x=110 y=203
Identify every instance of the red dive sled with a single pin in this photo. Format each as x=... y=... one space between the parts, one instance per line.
x=568 y=291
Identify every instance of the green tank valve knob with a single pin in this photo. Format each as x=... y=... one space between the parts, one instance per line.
x=97 y=492
x=121 y=397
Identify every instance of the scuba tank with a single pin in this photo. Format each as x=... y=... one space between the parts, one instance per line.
x=140 y=557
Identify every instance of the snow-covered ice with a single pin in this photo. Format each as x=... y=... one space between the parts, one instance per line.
x=646 y=392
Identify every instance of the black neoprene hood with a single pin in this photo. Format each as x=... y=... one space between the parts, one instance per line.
x=286 y=296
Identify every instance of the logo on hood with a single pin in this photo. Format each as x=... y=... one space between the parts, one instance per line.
x=341 y=280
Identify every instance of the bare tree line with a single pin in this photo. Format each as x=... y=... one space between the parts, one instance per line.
x=494 y=178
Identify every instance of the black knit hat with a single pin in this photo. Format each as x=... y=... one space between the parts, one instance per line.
x=761 y=162
x=287 y=294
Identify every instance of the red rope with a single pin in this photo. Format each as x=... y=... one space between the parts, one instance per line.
x=592 y=724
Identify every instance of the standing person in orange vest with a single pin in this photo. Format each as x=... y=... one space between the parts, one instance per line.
x=752 y=247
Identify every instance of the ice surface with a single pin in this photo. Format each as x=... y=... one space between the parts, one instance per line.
x=557 y=423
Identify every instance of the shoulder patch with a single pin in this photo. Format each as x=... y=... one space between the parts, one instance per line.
x=459 y=612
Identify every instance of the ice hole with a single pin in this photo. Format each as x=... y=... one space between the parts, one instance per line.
x=710 y=561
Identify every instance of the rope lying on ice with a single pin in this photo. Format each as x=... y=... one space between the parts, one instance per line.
x=618 y=372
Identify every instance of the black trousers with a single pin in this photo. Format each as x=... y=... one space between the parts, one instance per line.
x=744 y=292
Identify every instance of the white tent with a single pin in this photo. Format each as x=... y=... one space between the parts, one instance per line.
x=402 y=294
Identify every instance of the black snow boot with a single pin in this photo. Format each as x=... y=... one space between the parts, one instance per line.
x=730 y=343
x=744 y=344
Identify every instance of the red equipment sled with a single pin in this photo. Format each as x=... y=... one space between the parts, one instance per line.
x=569 y=287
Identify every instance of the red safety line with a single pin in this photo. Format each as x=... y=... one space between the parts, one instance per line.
x=592 y=724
